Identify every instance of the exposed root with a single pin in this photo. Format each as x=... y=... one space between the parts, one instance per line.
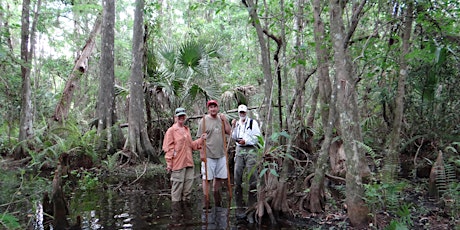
x=269 y=212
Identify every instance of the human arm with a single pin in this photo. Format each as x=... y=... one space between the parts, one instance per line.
x=234 y=130
x=201 y=127
x=226 y=127
x=168 y=148
x=198 y=143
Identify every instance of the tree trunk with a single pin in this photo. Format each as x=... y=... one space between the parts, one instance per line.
x=108 y=133
x=266 y=68
x=392 y=161
x=347 y=104
x=26 y=120
x=80 y=67
x=138 y=141
x=268 y=81
x=317 y=200
x=327 y=108
x=295 y=109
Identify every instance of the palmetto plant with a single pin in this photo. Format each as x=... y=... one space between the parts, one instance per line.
x=187 y=72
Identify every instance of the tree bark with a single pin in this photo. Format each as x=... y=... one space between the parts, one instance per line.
x=347 y=103
x=392 y=161
x=268 y=81
x=327 y=108
x=266 y=68
x=109 y=135
x=26 y=120
x=138 y=141
x=295 y=109
x=80 y=67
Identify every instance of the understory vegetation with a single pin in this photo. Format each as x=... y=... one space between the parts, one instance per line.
x=357 y=101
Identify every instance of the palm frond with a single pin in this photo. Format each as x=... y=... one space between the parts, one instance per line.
x=121 y=91
x=169 y=54
x=190 y=54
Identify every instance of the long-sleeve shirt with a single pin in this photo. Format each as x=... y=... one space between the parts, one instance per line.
x=178 y=146
x=245 y=131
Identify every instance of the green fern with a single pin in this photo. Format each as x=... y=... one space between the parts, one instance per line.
x=112 y=160
x=9 y=221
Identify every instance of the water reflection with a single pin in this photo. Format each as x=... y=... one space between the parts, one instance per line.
x=145 y=209
x=215 y=218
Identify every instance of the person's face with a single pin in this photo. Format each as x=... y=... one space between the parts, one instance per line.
x=181 y=119
x=242 y=115
x=213 y=109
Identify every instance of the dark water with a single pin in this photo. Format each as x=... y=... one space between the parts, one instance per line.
x=147 y=206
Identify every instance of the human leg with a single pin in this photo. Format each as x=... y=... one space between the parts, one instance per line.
x=207 y=176
x=220 y=179
x=238 y=179
x=188 y=184
x=252 y=170
x=177 y=178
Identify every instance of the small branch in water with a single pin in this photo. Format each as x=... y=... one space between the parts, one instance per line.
x=139 y=177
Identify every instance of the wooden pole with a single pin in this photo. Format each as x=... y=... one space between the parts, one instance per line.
x=206 y=192
x=229 y=184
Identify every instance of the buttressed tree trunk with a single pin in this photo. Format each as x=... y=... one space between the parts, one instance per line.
x=347 y=105
x=138 y=141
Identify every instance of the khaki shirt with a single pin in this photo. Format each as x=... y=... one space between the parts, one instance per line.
x=214 y=139
x=178 y=146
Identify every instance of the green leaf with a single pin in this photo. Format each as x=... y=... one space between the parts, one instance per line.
x=9 y=221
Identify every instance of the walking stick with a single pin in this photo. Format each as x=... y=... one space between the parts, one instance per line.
x=206 y=192
x=229 y=184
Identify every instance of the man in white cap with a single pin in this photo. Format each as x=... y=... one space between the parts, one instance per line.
x=245 y=133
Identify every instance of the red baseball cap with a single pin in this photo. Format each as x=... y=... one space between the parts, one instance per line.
x=210 y=102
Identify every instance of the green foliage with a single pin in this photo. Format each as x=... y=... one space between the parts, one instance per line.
x=63 y=139
x=447 y=182
x=383 y=196
x=395 y=225
x=9 y=221
x=112 y=161
x=88 y=181
x=404 y=214
x=269 y=160
x=19 y=190
x=186 y=71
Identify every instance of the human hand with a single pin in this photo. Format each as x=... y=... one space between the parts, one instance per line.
x=168 y=170
x=233 y=122
x=223 y=117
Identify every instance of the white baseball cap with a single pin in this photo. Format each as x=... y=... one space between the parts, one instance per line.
x=242 y=108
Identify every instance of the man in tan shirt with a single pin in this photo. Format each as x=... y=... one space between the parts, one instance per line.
x=215 y=125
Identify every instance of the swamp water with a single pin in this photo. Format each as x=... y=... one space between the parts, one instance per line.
x=146 y=205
